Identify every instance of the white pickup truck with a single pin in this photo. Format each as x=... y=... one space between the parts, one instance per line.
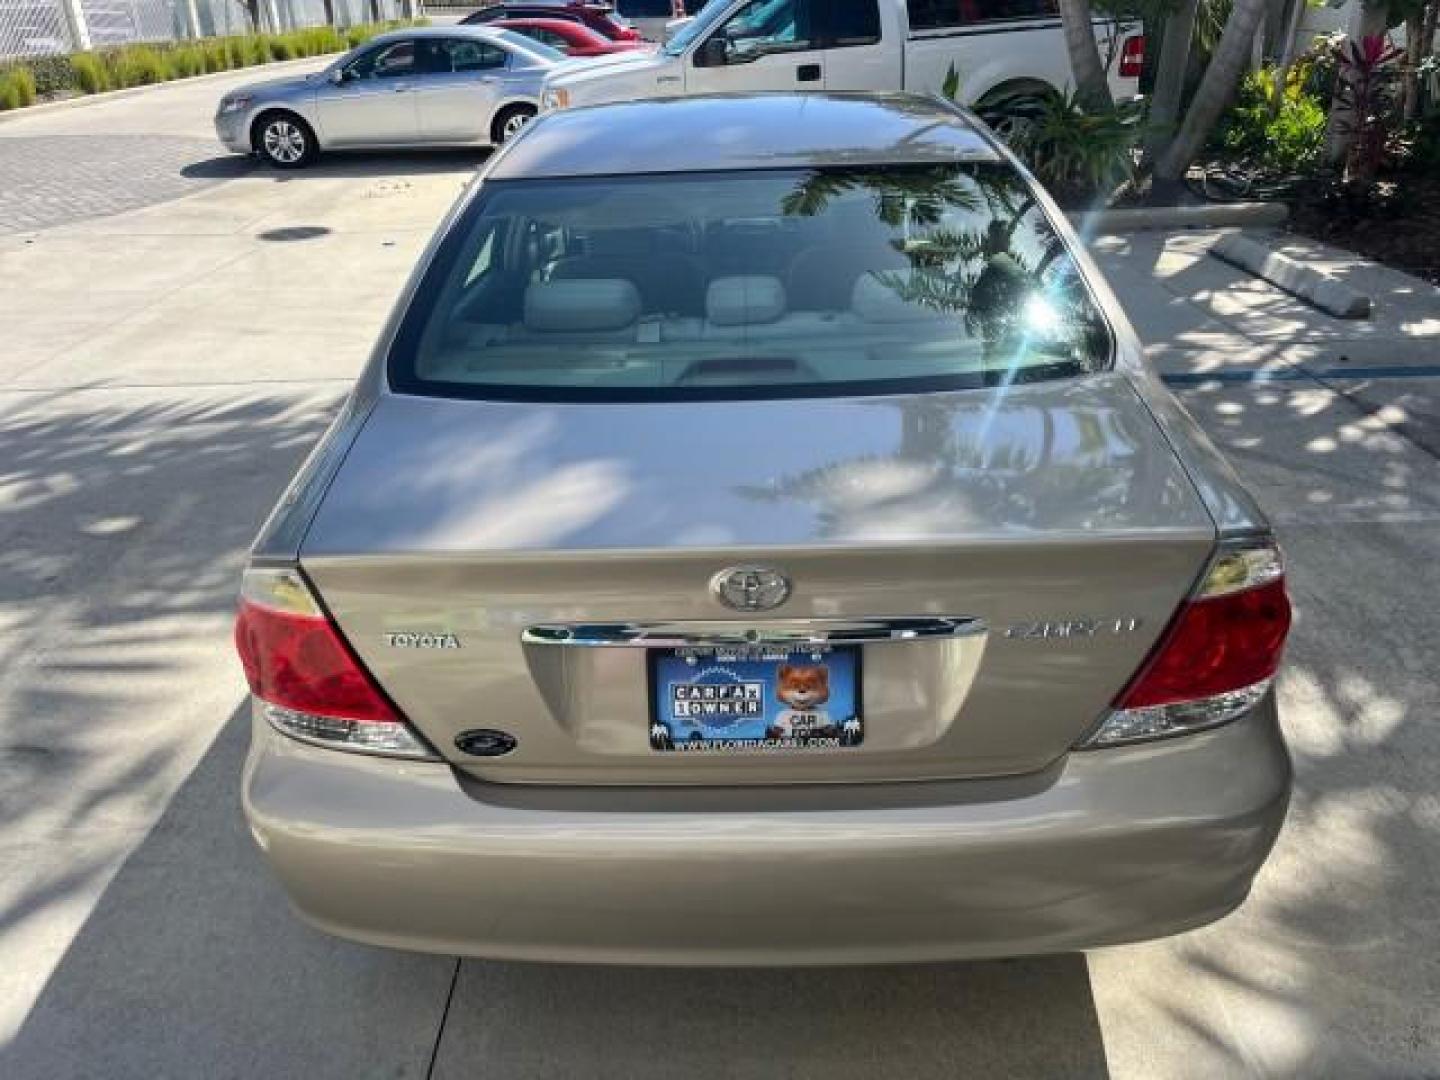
x=997 y=48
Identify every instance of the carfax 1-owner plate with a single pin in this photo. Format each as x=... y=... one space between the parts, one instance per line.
x=756 y=698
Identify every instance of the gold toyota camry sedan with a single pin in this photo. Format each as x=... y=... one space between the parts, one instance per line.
x=757 y=539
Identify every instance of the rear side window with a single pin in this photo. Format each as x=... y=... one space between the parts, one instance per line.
x=771 y=283
x=947 y=14
x=460 y=54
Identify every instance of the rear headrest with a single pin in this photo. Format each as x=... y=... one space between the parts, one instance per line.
x=579 y=304
x=744 y=300
x=874 y=301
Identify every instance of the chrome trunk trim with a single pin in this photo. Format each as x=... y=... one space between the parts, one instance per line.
x=692 y=634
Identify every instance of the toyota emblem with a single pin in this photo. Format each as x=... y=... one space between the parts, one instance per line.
x=750 y=588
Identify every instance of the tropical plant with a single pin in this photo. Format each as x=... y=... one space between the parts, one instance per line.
x=1278 y=132
x=1080 y=156
x=1365 y=101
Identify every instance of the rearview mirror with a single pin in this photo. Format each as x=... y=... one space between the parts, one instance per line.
x=715 y=53
x=337 y=75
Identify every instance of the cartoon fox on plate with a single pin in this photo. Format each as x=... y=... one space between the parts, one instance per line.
x=803 y=689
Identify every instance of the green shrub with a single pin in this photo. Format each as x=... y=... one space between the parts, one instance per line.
x=53 y=75
x=17 y=88
x=1283 y=137
x=188 y=60
x=145 y=65
x=254 y=51
x=91 y=73
x=138 y=65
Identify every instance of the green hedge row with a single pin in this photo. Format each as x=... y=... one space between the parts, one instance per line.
x=21 y=83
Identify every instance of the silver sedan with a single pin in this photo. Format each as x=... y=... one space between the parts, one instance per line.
x=432 y=86
x=758 y=539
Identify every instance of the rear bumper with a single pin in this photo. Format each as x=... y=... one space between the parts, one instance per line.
x=1108 y=846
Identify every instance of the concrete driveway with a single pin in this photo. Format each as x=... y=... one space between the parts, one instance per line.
x=164 y=366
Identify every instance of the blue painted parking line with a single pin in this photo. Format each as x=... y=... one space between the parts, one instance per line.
x=1410 y=371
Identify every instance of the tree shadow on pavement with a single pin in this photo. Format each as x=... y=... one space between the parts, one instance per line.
x=191 y=964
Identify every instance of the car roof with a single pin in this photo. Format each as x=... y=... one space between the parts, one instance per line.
x=546 y=22
x=475 y=30
x=744 y=131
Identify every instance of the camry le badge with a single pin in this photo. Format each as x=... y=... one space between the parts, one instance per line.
x=750 y=588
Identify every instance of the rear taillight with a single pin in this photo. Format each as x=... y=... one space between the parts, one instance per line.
x=1132 y=56
x=304 y=676
x=1218 y=656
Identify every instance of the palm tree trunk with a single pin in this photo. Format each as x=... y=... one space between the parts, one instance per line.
x=1232 y=55
x=1091 y=86
x=1410 y=85
x=1170 y=71
x=1427 y=37
x=1287 y=55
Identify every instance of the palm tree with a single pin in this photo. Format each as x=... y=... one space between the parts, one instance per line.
x=1170 y=71
x=1232 y=57
x=1091 y=85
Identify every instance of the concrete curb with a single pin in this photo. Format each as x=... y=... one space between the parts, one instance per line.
x=1248 y=215
x=1296 y=278
x=79 y=101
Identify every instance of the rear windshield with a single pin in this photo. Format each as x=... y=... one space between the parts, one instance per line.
x=774 y=283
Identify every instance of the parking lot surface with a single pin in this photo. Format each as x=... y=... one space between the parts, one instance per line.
x=168 y=357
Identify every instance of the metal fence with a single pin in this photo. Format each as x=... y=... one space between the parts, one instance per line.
x=47 y=27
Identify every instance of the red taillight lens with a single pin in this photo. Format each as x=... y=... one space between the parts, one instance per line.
x=298 y=662
x=1132 y=56
x=306 y=681
x=1213 y=646
x=1216 y=660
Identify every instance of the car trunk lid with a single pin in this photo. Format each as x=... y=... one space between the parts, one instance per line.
x=470 y=550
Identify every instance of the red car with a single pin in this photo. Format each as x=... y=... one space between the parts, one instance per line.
x=594 y=16
x=572 y=38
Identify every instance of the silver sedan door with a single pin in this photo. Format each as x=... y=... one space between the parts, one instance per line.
x=373 y=104
x=458 y=87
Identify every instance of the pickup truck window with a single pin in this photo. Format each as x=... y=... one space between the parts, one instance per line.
x=767 y=26
x=855 y=22
x=949 y=14
x=770 y=283
x=696 y=28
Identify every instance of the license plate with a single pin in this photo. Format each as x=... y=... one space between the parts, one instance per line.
x=755 y=698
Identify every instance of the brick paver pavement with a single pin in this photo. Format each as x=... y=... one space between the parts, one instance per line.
x=55 y=179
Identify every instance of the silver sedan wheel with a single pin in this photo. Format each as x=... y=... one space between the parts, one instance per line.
x=284 y=142
x=513 y=123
